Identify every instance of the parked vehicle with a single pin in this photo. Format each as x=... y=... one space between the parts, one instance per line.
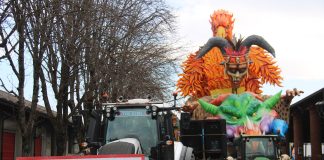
x=135 y=127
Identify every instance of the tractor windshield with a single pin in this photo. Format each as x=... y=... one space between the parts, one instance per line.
x=134 y=123
x=260 y=147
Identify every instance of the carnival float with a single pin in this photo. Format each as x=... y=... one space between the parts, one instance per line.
x=223 y=80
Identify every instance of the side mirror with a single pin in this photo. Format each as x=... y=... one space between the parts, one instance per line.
x=93 y=129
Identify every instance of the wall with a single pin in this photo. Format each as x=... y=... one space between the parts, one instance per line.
x=10 y=125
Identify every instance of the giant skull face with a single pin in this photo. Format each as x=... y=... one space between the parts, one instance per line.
x=236 y=55
x=236 y=64
x=236 y=68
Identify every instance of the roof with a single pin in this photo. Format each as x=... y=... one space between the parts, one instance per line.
x=13 y=100
x=310 y=99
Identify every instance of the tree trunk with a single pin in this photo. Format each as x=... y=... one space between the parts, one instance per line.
x=61 y=143
x=61 y=139
x=53 y=144
x=27 y=143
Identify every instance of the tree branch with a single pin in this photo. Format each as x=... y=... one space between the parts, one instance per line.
x=6 y=89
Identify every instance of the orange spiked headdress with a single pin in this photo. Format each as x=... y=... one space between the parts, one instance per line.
x=222 y=23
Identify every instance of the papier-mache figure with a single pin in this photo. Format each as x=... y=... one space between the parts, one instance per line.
x=224 y=78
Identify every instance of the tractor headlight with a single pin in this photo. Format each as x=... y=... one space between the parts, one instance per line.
x=83 y=144
x=169 y=142
x=154 y=108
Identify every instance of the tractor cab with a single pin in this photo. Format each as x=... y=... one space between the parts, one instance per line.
x=134 y=123
x=261 y=147
x=134 y=127
x=144 y=122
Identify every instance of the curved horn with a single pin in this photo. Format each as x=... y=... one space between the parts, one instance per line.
x=260 y=41
x=210 y=108
x=219 y=42
x=272 y=101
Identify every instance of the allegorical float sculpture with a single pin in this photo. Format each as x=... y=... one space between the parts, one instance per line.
x=223 y=79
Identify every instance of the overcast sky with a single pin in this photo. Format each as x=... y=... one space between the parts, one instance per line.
x=293 y=28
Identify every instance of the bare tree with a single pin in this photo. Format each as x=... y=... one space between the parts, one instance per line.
x=82 y=48
x=134 y=56
x=112 y=46
x=13 y=19
x=61 y=65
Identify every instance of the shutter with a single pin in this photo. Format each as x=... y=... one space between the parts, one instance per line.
x=8 y=146
x=38 y=146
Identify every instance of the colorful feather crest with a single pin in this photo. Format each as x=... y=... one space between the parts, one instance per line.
x=193 y=80
x=222 y=18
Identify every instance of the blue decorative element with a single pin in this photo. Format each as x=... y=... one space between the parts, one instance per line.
x=279 y=126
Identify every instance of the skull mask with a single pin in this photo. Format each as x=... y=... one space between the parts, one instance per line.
x=236 y=55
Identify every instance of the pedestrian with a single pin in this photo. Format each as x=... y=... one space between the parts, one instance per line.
x=284 y=157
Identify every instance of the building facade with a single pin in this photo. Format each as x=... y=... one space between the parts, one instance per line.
x=10 y=135
x=306 y=127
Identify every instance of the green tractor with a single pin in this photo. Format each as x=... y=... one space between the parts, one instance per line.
x=261 y=147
